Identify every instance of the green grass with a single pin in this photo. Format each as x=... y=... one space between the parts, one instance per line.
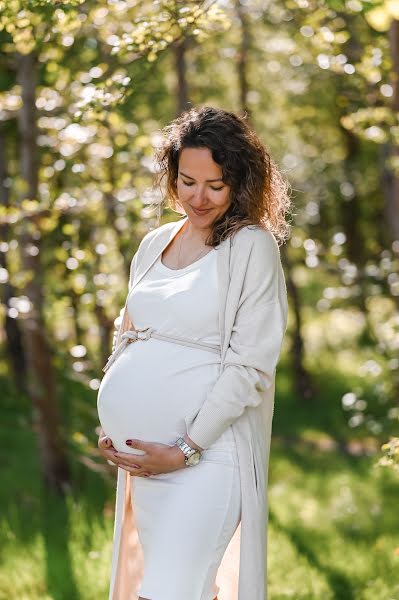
x=333 y=531
x=333 y=527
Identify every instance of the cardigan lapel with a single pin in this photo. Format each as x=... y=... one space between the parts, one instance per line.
x=145 y=263
x=152 y=255
x=223 y=269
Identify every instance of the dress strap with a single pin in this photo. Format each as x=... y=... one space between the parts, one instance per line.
x=133 y=335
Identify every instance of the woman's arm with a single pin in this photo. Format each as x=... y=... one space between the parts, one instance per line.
x=255 y=344
x=118 y=320
x=141 y=248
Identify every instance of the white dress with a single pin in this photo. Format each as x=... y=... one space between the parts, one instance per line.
x=185 y=519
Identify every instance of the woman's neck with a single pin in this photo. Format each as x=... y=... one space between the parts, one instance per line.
x=196 y=235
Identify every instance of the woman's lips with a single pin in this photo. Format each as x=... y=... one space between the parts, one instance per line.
x=200 y=212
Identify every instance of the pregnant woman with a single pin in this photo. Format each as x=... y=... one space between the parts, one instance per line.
x=186 y=402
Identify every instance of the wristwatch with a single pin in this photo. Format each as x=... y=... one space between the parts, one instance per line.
x=192 y=455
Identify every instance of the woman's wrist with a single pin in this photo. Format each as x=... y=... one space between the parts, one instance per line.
x=178 y=456
x=190 y=442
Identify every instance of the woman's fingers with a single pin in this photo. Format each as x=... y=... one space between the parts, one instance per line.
x=135 y=472
x=133 y=468
x=108 y=452
x=125 y=463
x=104 y=442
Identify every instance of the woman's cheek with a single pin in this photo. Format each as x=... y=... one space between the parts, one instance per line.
x=182 y=192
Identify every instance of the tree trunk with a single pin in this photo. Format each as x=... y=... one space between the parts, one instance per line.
x=351 y=208
x=302 y=381
x=180 y=48
x=41 y=378
x=242 y=64
x=13 y=341
x=391 y=186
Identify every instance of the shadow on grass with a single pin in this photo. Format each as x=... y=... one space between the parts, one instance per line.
x=324 y=412
x=339 y=584
x=56 y=535
x=29 y=511
x=321 y=466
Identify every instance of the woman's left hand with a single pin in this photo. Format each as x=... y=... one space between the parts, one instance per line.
x=158 y=458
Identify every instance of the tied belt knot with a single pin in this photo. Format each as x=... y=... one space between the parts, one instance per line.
x=134 y=335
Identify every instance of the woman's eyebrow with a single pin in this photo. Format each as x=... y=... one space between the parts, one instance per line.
x=209 y=180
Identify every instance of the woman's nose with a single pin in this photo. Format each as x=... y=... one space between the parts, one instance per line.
x=199 y=196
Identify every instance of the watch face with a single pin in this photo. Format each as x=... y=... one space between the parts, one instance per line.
x=194 y=459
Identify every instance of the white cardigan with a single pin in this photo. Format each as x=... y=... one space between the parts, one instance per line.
x=252 y=319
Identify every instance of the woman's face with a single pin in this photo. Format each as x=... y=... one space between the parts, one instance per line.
x=200 y=187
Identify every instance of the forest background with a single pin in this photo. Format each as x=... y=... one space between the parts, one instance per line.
x=85 y=88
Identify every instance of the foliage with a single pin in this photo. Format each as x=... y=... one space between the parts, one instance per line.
x=321 y=89
x=391 y=457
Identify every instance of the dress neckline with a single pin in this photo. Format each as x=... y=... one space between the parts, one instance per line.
x=184 y=269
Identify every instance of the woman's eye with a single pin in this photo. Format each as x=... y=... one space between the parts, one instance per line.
x=189 y=184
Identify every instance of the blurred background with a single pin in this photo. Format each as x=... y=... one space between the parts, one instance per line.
x=85 y=88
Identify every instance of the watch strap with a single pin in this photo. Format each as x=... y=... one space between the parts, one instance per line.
x=186 y=449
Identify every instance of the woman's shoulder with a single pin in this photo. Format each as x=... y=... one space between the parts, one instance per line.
x=249 y=238
x=255 y=237
x=158 y=233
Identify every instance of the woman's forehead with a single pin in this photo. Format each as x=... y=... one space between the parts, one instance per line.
x=198 y=162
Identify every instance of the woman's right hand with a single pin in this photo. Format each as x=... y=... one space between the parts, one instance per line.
x=104 y=444
x=107 y=450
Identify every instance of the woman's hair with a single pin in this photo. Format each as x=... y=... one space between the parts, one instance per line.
x=258 y=191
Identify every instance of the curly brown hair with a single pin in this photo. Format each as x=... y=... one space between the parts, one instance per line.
x=259 y=193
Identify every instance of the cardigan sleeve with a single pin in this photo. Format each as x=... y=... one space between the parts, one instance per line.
x=119 y=318
x=255 y=344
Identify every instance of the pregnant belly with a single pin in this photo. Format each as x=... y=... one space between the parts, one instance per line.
x=150 y=389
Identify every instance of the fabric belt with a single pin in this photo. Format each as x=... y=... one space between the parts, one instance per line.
x=133 y=335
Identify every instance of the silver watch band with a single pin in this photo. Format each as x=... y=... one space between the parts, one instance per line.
x=191 y=455
x=188 y=450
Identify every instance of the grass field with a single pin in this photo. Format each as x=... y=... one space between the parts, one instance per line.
x=334 y=525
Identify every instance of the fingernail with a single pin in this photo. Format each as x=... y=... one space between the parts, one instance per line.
x=128 y=442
